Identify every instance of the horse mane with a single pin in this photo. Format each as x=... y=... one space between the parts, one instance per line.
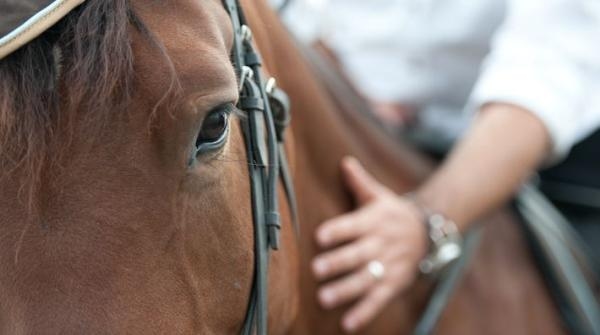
x=41 y=103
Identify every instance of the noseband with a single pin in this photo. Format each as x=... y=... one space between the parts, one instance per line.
x=266 y=115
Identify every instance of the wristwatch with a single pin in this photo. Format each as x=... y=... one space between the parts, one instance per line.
x=445 y=239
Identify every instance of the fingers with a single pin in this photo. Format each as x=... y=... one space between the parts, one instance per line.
x=389 y=114
x=367 y=308
x=372 y=302
x=346 y=258
x=355 y=224
x=346 y=289
x=386 y=229
x=361 y=183
x=394 y=114
x=347 y=227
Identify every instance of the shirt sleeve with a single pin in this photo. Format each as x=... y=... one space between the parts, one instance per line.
x=545 y=58
x=303 y=18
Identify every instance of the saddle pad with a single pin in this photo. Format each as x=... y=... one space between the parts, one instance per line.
x=21 y=21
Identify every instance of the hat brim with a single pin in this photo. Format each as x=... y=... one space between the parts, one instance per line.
x=26 y=20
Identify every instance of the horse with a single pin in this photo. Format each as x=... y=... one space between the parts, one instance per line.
x=109 y=225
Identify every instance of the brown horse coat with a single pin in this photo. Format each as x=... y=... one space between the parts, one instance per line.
x=105 y=229
x=501 y=293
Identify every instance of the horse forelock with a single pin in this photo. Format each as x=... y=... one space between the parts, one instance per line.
x=41 y=103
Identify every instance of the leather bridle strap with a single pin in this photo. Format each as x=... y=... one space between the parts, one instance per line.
x=263 y=136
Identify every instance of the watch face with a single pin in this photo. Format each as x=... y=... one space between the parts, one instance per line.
x=446 y=244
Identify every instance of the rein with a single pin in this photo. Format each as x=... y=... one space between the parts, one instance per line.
x=266 y=111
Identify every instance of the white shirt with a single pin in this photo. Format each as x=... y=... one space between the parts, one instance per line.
x=443 y=55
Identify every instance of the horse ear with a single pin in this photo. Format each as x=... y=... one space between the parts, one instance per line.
x=363 y=185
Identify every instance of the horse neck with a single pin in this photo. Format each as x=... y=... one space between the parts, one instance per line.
x=323 y=129
x=322 y=133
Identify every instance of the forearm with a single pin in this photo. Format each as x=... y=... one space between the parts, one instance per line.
x=503 y=148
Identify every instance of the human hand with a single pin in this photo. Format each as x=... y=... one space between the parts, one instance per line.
x=386 y=229
x=397 y=115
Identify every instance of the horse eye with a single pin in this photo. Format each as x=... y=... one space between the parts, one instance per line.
x=214 y=129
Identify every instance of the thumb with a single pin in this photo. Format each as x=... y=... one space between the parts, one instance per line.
x=363 y=186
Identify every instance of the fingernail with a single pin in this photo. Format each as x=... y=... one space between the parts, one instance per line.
x=327 y=298
x=349 y=324
x=320 y=267
x=349 y=163
x=350 y=158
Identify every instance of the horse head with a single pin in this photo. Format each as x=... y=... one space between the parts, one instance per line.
x=125 y=197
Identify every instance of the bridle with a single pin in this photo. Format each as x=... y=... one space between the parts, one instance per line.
x=266 y=115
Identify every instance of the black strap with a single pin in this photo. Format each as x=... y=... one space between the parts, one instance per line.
x=266 y=159
x=557 y=248
x=288 y=186
x=446 y=284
